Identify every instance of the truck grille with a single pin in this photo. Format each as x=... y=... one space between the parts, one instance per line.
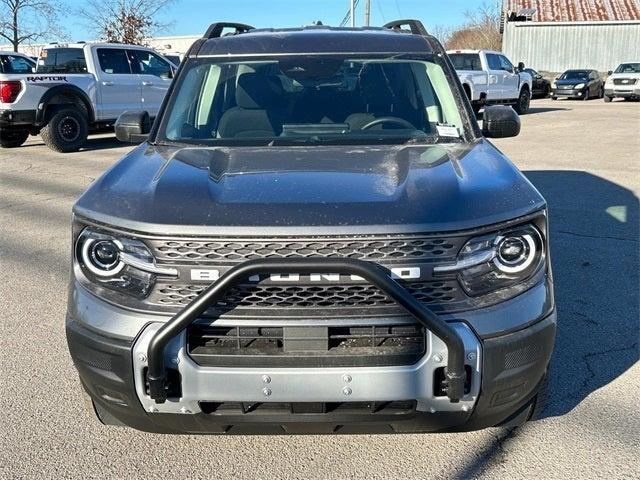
x=378 y=248
x=303 y=296
x=624 y=81
x=210 y=345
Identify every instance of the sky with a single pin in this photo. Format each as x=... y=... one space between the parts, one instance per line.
x=192 y=17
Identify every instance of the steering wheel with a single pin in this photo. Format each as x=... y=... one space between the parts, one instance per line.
x=394 y=120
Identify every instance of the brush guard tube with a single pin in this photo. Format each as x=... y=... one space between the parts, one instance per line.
x=371 y=272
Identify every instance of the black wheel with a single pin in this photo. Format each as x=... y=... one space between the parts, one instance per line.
x=13 y=139
x=607 y=99
x=554 y=98
x=601 y=92
x=522 y=106
x=541 y=398
x=586 y=94
x=547 y=91
x=66 y=130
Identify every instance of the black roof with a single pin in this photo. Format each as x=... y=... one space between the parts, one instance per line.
x=317 y=39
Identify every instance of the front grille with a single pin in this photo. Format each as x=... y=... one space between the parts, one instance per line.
x=363 y=247
x=305 y=296
x=403 y=407
x=210 y=345
x=624 y=81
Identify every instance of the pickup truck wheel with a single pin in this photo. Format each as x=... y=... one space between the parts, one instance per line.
x=66 y=130
x=522 y=106
x=13 y=139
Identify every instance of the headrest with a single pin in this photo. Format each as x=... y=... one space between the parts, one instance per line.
x=257 y=91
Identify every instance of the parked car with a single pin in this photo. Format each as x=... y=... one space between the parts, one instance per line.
x=489 y=78
x=541 y=87
x=624 y=82
x=77 y=87
x=315 y=236
x=14 y=62
x=578 y=84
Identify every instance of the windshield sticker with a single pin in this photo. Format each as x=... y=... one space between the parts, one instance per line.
x=447 y=131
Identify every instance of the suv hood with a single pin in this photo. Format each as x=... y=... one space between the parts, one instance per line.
x=289 y=190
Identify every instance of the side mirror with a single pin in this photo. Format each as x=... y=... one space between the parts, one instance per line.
x=610 y=72
x=500 y=121
x=520 y=66
x=133 y=126
x=538 y=76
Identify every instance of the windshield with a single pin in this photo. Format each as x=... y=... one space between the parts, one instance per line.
x=628 y=68
x=306 y=99
x=466 y=61
x=575 y=75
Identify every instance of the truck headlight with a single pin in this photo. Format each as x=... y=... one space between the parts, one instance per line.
x=579 y=86
x=117 y=263
x=499 y=260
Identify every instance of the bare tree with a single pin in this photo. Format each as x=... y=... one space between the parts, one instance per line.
x=124 y=21
x=481 y=30
x=28 y=20
x=442 y=33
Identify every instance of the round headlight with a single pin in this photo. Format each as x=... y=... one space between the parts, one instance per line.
x=515 y=253
x=102 y=257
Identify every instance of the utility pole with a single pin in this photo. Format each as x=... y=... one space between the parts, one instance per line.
x=352 y=12
x=367 y=12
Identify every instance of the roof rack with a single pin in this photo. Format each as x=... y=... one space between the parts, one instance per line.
x=215 y=29
x=415 y=26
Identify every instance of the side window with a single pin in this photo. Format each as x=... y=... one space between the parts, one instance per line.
x=594 y=75
x=62 y=60
x=493 y=62
x=15 y=64
x=148 y=63
x=505 y=64
x=113 y=61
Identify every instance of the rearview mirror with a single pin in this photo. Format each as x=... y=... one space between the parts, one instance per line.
x=133 y=126
x=500 y=121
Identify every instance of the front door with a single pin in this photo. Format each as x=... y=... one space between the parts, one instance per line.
x=118 y=86
x=496 y=74
x=511 y=84
x=155 y=75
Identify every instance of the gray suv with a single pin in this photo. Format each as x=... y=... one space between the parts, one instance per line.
x=313 y=236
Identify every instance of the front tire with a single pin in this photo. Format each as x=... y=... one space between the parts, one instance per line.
x=524 y=100
x=607 y=99
x=66 y=130
x=13 y=139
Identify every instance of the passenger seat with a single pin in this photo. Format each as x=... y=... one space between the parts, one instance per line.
x=260 y=108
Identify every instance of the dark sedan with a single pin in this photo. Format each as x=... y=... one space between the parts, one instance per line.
x=580 y=84
x=541 y=87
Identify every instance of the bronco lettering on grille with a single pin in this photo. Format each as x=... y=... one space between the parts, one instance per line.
x=211 y=275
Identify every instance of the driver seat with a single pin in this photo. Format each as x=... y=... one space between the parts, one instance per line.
x=376 y=96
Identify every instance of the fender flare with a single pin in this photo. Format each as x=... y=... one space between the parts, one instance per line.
x=61 y=90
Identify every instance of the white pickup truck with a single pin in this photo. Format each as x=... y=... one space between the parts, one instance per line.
x=78 y=87
x=489 y=77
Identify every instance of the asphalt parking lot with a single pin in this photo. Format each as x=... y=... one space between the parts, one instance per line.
x=584 y=158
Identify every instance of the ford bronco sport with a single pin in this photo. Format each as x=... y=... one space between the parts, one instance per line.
x=314 y=236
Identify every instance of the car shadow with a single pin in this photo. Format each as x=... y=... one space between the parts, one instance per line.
x=596 y=265
x=93 y=143
x=533 y=110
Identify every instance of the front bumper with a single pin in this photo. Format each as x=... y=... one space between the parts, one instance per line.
x=507 y=369
x=568 y=93
x=623 y=92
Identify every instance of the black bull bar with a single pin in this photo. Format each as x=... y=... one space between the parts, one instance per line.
x=371 y=272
